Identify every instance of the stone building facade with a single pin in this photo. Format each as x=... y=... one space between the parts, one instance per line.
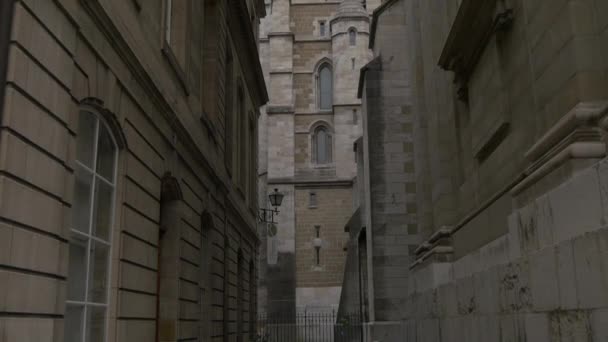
x=311 y=52
x=128 y=170
x=483 y=173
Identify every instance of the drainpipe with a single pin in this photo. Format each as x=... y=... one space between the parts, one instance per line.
x=6 y=18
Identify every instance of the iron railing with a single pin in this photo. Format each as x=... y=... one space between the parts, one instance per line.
x=309 y=327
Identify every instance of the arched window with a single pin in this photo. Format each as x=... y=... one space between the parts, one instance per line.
x=322 y=145
x=352 y=36
x=325 y=87
x=91 y=230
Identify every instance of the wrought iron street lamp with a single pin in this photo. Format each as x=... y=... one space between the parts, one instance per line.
x=267 y=215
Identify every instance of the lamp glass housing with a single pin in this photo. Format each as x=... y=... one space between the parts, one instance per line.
x=276 y=198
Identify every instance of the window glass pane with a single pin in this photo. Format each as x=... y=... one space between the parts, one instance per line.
x=328 y=149
x=86 y=138
x=326 y=88
x=98 y=272
x=96 y=324
x=353 y=37
x=77 y=268
x=102 y=220
x=313 y=199
x=73 y=323
x=321 y=146
x=81 y=207
x=106 y=152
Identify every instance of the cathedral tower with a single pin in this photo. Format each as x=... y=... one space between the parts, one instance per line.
x=312 y=53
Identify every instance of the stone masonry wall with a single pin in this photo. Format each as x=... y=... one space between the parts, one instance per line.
x=61 y=54
x=334 y=207
x=552 y=57
x=545 y=280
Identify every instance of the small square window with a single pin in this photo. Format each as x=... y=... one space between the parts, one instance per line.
x=312 y=200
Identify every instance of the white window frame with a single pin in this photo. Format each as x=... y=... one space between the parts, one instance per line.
x=85 y=305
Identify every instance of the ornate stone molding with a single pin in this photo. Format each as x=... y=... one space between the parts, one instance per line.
x=109 y=118
x=580 y=134
x=437 y=247
x=468 y=38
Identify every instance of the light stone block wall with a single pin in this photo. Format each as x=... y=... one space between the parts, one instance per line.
x=333 y=209
x=348 y=128
x=527 y=266
x=528 y=77
x=280 y=156
x=305 y=19
x=59 y=56
x=291 y=55
x=346 y=73
x=533 y=284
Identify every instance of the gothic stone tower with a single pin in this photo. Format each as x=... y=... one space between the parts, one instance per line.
x=312 y=52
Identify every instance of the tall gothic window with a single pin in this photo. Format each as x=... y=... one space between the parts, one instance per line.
x=91 y=231
x=325 y=87
x=322 y=145
x=352 y=36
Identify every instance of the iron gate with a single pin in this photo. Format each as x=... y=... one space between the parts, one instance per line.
x=310 y=327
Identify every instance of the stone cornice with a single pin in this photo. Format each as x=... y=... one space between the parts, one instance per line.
x=468 y=38
x=281 y=34
x=361 y=17
x=274 y=109
x=309 y=183
x=580 y=134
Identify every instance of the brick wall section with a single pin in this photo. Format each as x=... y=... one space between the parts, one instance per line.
x=304 y=92
x=306 y=55
x=334 y=207
x=304 y=17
